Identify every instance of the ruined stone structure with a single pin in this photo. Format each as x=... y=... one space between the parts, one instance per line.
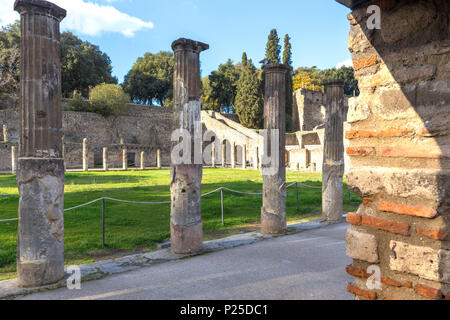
x=186 y=223
x=399 y=145
x=273 y=212
x=40 y=172
x=333 y=156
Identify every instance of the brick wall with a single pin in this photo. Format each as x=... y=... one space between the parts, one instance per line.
x=399 y=145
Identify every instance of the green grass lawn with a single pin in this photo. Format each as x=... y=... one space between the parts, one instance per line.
x=136 y=228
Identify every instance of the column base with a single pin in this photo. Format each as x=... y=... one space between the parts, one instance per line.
x=186 y=240
x=272 y=223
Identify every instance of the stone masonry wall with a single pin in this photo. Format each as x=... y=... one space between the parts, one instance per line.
x=146 y=126
x=399 y=144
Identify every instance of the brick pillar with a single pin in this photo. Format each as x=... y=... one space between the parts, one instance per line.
x=142 y=160
x=333 y=155
x=224 y=154
x=186 y=220
x=13 y=159
x=105 y=159
x=5 y=133
x=399 y=147
x=85 y=155
x=124 y=159
x=273 y=212
x=158 y=159
x=40 y=172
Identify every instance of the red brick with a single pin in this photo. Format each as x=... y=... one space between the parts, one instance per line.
x=433 y=234
x=427 y=152
x=360 y=292
x=391 y=132
x=353 y=218
x=357 y=272
x=387 y=225
x=366 y=201
x=394 y=283
x=417 y=211
x=447 y=297
x=365 y=62
x=361 y=151
x=428 y=292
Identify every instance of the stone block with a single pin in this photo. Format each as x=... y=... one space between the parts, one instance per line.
x=362 y=246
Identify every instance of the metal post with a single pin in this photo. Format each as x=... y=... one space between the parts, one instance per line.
x=103 y=223
x=221 y=200
x=298 y=203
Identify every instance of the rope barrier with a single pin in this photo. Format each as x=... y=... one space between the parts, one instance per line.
x=168 y=202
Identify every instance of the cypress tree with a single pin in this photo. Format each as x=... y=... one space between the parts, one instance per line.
x=273 y=48
x=287 y=59
x=244 y=59
x=249 y=99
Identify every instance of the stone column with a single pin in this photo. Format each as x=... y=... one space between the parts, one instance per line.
x=244 y=156
x=5 y=133
x=40 y=172
x=255 y=159
x=333 y=154
x=158 y=159
x=233 y=155
x=124 y=159
x=186 y=220
x=105 y=159
x=273 y=212
x=213 y=156
x=85 y=155
x=13 y=160
x=142 y=160
x=224 y=154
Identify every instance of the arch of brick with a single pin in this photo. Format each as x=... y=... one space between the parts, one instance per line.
x=400 y=149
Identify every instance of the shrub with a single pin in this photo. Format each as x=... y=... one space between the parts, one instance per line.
x=108 y=99
x=78 y=103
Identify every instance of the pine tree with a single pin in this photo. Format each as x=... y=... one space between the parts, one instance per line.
x=287 y=60
x=273 y=48
x=244 y=59
x=249 y=99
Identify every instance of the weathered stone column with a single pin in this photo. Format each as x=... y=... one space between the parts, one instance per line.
x=105 y=159
x=13 y=159
x=233 y=155
x=224 y=154
x=124 y=159
x=255 y=159
x=186 y=220
x=5 y=133
x=333 y=154
x=142 y=160
x=85 y=155
x=158 y=159
x=244 y=156
x=273 y=212
x=213 y=156
x=40 y=172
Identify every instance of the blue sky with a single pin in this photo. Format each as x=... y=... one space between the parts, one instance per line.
x=126 y=29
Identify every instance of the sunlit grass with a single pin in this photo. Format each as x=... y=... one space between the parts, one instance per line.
x=136 y=227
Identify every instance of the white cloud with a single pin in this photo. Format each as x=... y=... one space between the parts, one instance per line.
x=346 y=63
x=86 y=17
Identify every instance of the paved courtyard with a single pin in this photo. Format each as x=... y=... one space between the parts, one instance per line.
x=305 y=266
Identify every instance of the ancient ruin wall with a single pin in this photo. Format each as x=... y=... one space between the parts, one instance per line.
x=143 y=126
x=400 y=151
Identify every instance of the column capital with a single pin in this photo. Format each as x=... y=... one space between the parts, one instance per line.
x=276 y=68
x=183 y=44
x=334 y=82
x=40 y=7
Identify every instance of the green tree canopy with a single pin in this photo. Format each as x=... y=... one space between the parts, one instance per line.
x=151 y=79
x=223 y=84
x=108 y=99
x=287 y=60
x=249 y=103
x=83 y=65
x=10 y=59
x=273 y=48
